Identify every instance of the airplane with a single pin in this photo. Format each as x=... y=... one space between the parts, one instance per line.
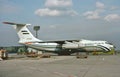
x=61 y=47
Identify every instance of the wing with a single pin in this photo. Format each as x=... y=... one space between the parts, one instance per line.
x=60 y=41
x=11 y=23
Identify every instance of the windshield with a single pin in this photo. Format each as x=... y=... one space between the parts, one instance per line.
x=108 y=43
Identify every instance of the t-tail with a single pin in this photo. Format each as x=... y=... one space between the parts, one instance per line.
x=24 y=34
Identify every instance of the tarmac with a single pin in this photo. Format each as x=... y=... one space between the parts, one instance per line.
x=62 y=66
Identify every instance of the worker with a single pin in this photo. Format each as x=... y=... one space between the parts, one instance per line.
x=1 y=55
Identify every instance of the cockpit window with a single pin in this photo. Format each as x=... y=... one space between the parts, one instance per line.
x=108 y=43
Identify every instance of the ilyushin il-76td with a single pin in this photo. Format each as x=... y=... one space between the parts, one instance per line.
x=61 y=47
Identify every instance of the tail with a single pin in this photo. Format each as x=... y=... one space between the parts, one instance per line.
x=24 y=34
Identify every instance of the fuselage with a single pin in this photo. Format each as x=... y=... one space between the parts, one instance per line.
x=86 y=45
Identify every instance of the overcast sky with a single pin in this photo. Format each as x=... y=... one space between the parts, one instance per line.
x=62 y=19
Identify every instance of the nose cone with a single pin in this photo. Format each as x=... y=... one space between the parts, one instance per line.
x=112 y=46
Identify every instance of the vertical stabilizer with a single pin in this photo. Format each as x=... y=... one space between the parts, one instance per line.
x=24 y=34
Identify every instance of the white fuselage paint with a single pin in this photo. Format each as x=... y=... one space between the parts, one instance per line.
x=83 y=44
x=45 y=46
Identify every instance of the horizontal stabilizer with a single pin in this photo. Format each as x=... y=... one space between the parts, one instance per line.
x=11 y=23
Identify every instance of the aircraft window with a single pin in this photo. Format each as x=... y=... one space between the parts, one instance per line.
x=108 y=43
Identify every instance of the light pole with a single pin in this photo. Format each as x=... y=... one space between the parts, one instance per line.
x=36 y=28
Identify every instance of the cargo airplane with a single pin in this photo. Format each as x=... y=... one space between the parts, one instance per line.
x=63 y=47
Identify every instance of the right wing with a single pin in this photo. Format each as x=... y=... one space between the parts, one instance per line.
x=60 y=41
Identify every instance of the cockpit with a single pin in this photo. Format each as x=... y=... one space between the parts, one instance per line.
x=108 y=43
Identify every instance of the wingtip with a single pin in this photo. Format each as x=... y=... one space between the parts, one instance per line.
x=4 y=22
x=11 y=23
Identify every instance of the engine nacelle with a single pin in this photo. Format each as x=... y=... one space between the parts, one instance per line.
x=70 y=46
